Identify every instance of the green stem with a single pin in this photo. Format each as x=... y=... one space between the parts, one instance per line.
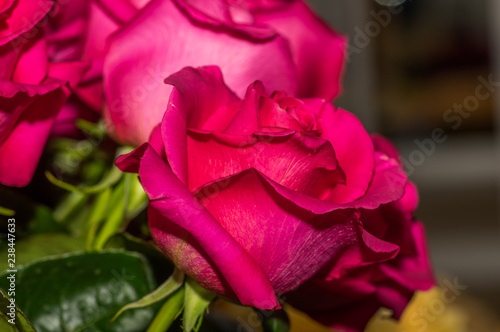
x=170 y=310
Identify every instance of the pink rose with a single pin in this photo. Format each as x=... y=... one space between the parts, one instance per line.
x=348 y=301
x=79 y=30
x=32 y=89
x=277 y=42
x=252 y=197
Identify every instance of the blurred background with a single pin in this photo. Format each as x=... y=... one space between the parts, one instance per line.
x=424 y=74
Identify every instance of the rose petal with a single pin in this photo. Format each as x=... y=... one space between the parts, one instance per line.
x=247 y=120
x=300 y=163
x=382 y=144
x=413 y=271
x=222 y=14
x=122 y=10
x=32 y=64
x=319 y=52
x=171 y=201
x=289 y=243
x=31 y=122
x=21 y=17
x=5 y=4
x=354 y=149
x=194 y=108
x=388 y=184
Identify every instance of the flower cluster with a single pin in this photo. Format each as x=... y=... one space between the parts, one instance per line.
x=259 y=188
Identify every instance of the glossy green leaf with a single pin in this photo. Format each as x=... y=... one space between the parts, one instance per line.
x=38 y=246
x=11 y=318
x=162 y=267
x=166 y=289
x=196 y=300
x=82 y=291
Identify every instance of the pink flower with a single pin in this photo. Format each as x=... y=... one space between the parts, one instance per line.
x=277 y=42
x=32 y=89
x=348 y=300
x=253 y=197
x=79 y=30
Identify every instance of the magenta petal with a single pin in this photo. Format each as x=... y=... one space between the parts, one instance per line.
x=370 y=250
x=413 y=271
x=354 y=149
x=383 y=145
x=319 y=52
x=161 y=40
x=246 y=121
x=4 y=5
x=170 y=198
x=221 y=14
x=388 y=184
x=130 y=162
x=32 y=66
x=21 y=17
x=122 y=10
x=23 y=137
x=194 y=108
x=289 y=243
x=298 y=162
x=204 y=102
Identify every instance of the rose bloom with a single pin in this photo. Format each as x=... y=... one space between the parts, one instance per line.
x=252 y=197
x=79 y=30
x=348 y=299
x=277 y=42
x=32 y=89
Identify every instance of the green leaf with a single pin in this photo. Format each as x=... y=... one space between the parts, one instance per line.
x=71 y=204
x=82 y=291
x=99 y=208
x=11 y=318
x=39 y=246
x=166 y=289
x=108 y=180
x=162 y=267
x=42 y=221
x=170 y=310
x=96 y=129
x=138 y=199
x=115 y=216
x=196 y=300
